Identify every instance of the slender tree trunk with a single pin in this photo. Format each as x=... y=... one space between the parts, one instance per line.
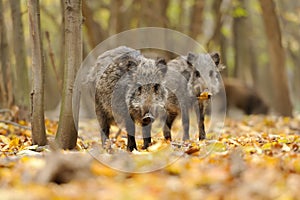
x=137 y=15
x=281 y=98
x=292 y=34
x=62 y=39
x=295 y=57
x=5 y=76
x=22 y=88
x=38 y=67
x=115 y=16
x=196 y=18
x=67 y=133
x=53 y=78
x=180 y=26
x=160 y=19
x=215 y=40
x=241 y=32
x=223 y=49
x=94 y=30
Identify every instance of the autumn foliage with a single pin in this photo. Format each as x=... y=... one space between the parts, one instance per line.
x=257 y=157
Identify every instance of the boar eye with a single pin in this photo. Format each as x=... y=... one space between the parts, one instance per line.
x=211 y=73
x=156 y=87
x=139 y=88
x=130 y=63
x=197 y=74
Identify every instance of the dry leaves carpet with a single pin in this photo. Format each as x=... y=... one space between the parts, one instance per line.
x=257 y=157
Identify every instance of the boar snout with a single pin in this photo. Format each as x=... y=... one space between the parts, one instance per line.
x=147 y=119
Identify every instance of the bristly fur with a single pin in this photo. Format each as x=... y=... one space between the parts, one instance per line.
x=128 y=87
x=201 y=73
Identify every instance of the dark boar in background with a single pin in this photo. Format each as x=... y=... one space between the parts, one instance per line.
x=243 y=97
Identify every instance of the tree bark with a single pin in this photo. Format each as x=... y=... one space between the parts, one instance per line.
x=116 y=15
x=6 y=95
x=292 y=36
x=62 y=39
x=196 y=18
x=296 y=74
x=160 y=19
x=180 y=26
x=38 y=67
x=67 y=133
x=22 y=88
x=281 y=98
x=94 y=30
x=242 y=45
x=215 y=40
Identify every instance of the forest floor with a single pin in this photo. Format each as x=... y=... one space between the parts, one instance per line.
x=255 y=157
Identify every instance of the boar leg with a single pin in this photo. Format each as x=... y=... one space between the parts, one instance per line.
x=146 y=130
x=185 y=123
x=200 y=120
x=104 y=127
x=167 y=127
x=130 y=128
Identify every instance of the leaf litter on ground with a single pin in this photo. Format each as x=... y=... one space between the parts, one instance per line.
x=257 y=157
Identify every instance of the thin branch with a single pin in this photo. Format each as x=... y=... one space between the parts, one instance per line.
x=51 y=55
x=4 y=110
x=15 y=124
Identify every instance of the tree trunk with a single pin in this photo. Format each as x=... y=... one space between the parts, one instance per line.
x=215 y=40
x=241 y=33
x=62 y=39
x=6 y=95
x=180 y=26
x=218 y=41
x=67 y=133
x=196 y=18
x=281 y=98
x=94 y=30
x=116 y=15
x=160 y=19
x=292 y=36
x=296 y=74
x=53 y=77
x=38 y=66
x=22 y=88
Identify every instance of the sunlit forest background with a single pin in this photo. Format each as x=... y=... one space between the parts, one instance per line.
x=237 y=29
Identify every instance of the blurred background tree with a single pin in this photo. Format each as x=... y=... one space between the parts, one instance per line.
x=238 y=29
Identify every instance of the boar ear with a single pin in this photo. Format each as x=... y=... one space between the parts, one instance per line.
x=127 y=61
x=186 y=74
x=162 y=65
x=131 y=64
x=215 y=57
x=191 y=58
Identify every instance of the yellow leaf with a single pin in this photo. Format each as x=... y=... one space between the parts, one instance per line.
x=14 y=142
x=4 y=139
x=204 y=96
x=267 y=146
x=297 y=166
x=22 y=122
x=99 y=169
x=282 y=140
x=285 y=148
x=249 y=149
x=157 y=146
x=217 y=147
